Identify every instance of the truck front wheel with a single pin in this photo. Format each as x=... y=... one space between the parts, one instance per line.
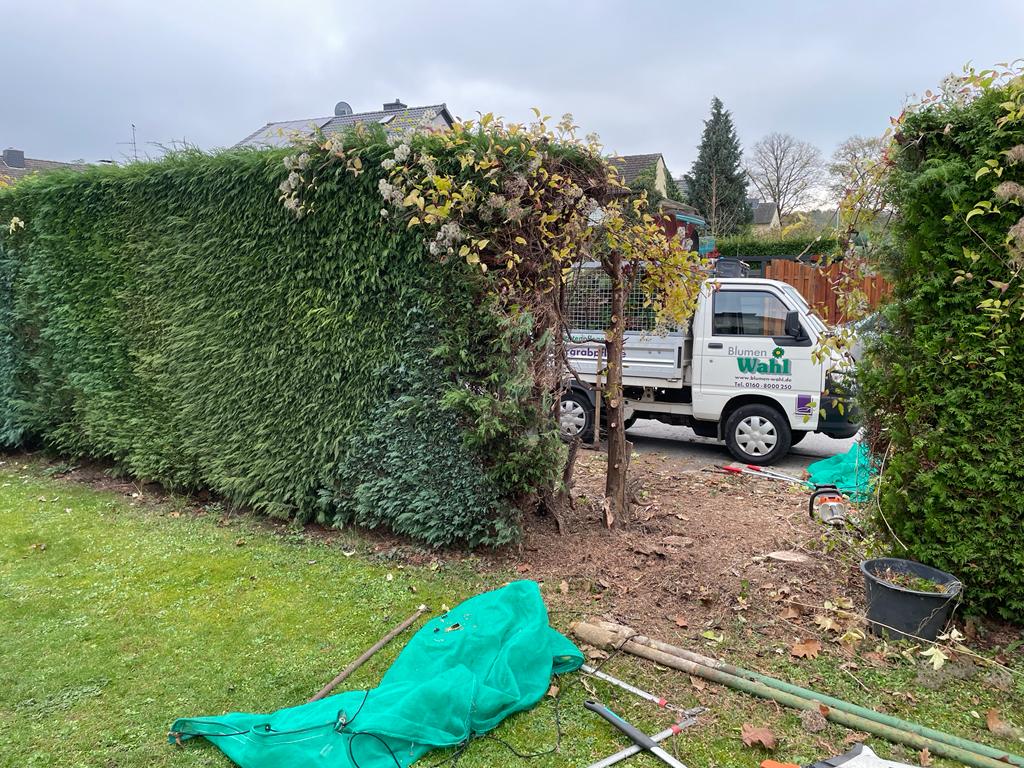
x=757 y=434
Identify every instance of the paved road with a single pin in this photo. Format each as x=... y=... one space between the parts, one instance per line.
x=681 y=443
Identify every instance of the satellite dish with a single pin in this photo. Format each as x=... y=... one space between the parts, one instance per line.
x=342 y=108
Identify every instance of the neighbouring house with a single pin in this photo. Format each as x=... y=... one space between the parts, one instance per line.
x=395 y=117
x=683 y=186
x=678 y=219
x=14 y=165
x=632 y=167
x=766 y=215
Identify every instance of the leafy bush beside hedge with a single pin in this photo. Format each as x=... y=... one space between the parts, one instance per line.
x=741 y=246
x=174 y=318
x=943 y=385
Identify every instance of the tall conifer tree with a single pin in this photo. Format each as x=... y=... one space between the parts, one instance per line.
x=718 y=185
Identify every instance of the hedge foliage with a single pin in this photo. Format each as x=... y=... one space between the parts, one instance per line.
x=943 y=386
x=174 y=318
x=744 y=246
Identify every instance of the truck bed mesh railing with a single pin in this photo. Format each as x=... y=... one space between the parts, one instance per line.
x=588 y=304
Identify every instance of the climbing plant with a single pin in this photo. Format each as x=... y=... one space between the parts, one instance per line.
x=522 y=204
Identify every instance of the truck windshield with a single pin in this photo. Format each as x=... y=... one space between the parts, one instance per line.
x=816 y=322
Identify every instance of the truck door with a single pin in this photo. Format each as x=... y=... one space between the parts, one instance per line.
x=745 y=350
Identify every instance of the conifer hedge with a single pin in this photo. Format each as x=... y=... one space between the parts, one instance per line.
x=942 y=386
x=174 y=318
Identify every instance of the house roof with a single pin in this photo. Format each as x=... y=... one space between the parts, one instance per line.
x=631 y=166
x=675 y=207
x=32 y=165
x=281 y=134
x=763 y=212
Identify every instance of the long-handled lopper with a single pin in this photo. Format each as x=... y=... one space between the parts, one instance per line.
x=641 y=739
x=673 y=730
x=770 y=474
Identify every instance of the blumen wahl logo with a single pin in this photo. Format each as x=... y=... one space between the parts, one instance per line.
x=777 y=365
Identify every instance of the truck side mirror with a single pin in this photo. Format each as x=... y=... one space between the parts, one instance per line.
x=793 y=327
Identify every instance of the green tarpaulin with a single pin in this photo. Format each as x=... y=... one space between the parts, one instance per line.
x=460 y=675
x=850 y=472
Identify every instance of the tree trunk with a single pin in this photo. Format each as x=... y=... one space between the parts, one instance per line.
x=615 y=509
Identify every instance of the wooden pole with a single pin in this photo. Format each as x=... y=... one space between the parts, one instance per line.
x=598 y=387
x=618 y=449
x=395 y=631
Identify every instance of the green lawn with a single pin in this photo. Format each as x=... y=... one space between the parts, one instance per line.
x=116 y=618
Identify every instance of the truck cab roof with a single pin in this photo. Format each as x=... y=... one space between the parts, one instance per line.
x=751 y=281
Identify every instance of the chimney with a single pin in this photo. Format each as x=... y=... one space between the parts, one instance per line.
x=394 y=106
x=14 y=158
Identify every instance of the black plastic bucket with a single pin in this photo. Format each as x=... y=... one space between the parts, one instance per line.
x=907 y=614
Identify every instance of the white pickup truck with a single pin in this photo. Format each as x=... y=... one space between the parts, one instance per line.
x=742 y=371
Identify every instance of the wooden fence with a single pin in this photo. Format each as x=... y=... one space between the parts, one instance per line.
x=817 y=285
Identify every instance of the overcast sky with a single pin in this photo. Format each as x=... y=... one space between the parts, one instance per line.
x=76 y=75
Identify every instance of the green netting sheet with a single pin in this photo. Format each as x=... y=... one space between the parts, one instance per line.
x=460 y=675
x=850 y=472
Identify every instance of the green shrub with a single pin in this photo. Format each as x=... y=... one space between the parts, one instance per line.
x=174 y=318
x=741 y=246
x=942 y=386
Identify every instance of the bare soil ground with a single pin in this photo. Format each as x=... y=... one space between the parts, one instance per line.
x=701 y=550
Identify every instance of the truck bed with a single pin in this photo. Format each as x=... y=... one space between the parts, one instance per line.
x=649 y=359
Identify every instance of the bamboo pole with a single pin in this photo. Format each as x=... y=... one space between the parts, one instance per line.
x=604 y=638
x=829 y=701
x=395 y=631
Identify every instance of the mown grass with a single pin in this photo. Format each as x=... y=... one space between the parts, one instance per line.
x=132 y=615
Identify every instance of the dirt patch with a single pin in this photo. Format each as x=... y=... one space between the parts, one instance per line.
x=701 y=550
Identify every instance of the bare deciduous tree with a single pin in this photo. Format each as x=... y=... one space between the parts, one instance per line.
x=855 y=166
x=786 y=171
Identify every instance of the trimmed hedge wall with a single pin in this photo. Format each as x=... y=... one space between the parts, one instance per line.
x=943 y=390
x=754 y=246
x=172 y=317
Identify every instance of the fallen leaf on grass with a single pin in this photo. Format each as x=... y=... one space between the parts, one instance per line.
x=936 y=657
x=563 y=587
x=523 y=568
x=1000 y=727
x=681 y=622
x=553 y=691
x=875 y=658
x=827 y=623
x=791 y=612
x=924 y=757
x=709 y=634
x=698 y=683
x=808 y=649
x=596 y=654
x=752 y=735
x=856 y=736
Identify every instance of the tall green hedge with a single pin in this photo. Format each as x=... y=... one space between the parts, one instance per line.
x=172 y=317
x=943 y=387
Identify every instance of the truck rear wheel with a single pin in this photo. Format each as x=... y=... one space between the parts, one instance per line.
x=576 y=417
x=757 y=434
